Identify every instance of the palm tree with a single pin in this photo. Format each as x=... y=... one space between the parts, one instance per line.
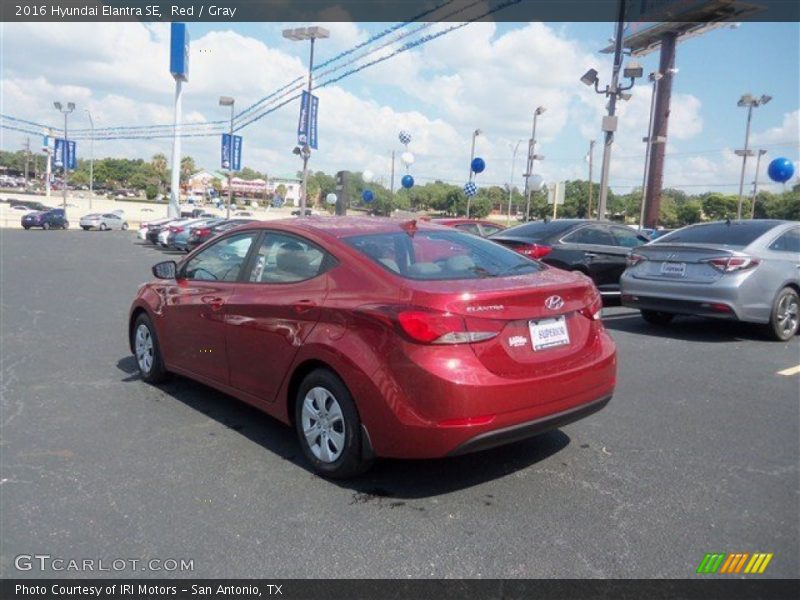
x=187 y=168
x=159 y=164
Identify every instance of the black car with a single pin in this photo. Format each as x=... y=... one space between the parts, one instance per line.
x=54 y=218
x=598 y=249
x=153 y=231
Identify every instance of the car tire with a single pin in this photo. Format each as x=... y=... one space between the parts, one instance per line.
x=103 y=227
x=124 y=227
x=147 y=351
x=655 y=317
x=26 y=227
x=86 y=228
x=325 y=408
x=46 y=226
x=65 y=225
x=784 y=319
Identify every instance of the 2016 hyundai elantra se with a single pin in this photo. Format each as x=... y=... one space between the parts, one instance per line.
x=379 y=338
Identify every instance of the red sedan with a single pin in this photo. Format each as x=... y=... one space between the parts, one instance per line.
x=379 y=338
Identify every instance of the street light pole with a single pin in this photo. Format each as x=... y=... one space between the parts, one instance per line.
x=755 y=183
x=511 y=180
x=654 y=77
x=531 y=157
x=750 y=102
x=65 y=151
x=312 y=34
x=590 y=157
x=91 y=160
x=475 y=134
x=228 y=101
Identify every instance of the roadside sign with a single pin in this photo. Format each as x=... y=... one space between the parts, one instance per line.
x=226 y=152
x=179 y=52
x=307 y=123
x=555 y=194
x=64 y=150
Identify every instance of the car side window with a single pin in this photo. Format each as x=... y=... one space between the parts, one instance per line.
x=469 y=228
x=221 y=262
x=286 y=258
x=628 y=238
x=593 y=234
x=788 y=242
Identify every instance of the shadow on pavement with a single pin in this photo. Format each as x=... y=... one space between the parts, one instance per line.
x=689 y=329
x=388 y=478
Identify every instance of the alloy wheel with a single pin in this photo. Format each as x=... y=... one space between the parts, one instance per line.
x=323 y=424
x=788 y=314
x=144 y=348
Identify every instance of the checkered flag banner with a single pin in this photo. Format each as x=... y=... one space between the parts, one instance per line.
x=470 y=189
x=405 y=138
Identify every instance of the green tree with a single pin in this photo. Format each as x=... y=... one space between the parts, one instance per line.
x=689 y=212
x=188 y=168
x=716 y=206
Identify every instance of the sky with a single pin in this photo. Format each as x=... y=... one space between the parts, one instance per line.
x=485 y=75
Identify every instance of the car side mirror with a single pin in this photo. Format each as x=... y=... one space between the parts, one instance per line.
x=165 y=270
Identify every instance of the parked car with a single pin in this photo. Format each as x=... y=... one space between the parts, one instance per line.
x=167 y=238
x=309 y=212
x=180 y=241
x=379 y=337
x=200 y=235
x=103 y=221
x=475 y=226
x=153 y=231
x=54 y=218
x=657 y=233
x=736 y=270
x=598 y=249
x=21 y=209
x=144 y=227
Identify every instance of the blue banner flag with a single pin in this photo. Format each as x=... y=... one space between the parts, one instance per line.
x=307 y=124
x=302 y=123
x=72 y=156
x=58 y=153
x=228 y=156
x=312 y=118
x=65 y=150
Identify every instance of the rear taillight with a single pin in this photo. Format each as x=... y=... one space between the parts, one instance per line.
x=594 y=310
x=729 y=264
x=201 y=232
x=533 y=250
x=425 y=326
x=176 y=229
x=635 y=259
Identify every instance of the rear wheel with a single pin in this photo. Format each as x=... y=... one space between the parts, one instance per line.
x=65 y=225
x=103 y=227
x=124 y=227
x=785 y=316
x=26 y=227
x=655 y=317
x=46 y=225
x=328 y=426
x=147 y=351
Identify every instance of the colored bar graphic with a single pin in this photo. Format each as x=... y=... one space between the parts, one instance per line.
x=711 y=562
x=722 y=563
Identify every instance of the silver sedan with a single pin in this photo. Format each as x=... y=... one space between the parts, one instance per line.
x=737 y=270
x=103 y=222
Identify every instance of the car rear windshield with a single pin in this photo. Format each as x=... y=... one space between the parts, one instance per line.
x=736 y=234
x=438 y=256
x=535 y=232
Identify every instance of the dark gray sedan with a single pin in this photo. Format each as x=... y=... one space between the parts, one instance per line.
x=738 y=270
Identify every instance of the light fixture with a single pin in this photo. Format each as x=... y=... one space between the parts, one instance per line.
x=590 y=77
x=540 y=110
x=633 y=70
x=57 y=105
x=225 y=101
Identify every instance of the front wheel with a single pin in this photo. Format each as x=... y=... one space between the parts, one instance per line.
x=46 y=226
x=655 y=317
x=147 y=351
x=124 y=227
x=65 y=225
x=103 y=227
x=328 y=426
x=785 y=315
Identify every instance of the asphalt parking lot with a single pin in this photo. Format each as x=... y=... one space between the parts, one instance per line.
x=697 y=452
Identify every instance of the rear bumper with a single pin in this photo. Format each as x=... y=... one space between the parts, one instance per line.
x=516 y=433
x=723 y=299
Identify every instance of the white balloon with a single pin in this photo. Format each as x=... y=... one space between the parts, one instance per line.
x=331 y=198
x=535 y=182
x=407 y=158
x=368 y=176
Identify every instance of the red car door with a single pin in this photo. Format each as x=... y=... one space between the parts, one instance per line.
x=193 y=332
x=270 y=316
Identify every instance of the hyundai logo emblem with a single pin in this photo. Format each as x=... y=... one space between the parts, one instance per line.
x=554 y=302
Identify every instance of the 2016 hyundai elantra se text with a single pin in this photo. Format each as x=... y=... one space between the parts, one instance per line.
x=379 y=338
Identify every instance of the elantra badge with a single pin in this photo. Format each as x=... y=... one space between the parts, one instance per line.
x=554 y=302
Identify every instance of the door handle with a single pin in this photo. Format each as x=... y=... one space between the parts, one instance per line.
x=303 y=306
x=214 y=301
x=590 y=255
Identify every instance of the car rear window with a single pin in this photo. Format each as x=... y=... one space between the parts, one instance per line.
x=535 y=232
x=438 y=256
x=737 y=234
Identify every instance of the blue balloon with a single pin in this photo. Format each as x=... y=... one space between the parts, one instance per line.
x=478 y=165
x=781 y=170
x=367 y=196
x=407 y=182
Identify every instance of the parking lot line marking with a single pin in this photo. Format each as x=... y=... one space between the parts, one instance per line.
x=790 y=371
